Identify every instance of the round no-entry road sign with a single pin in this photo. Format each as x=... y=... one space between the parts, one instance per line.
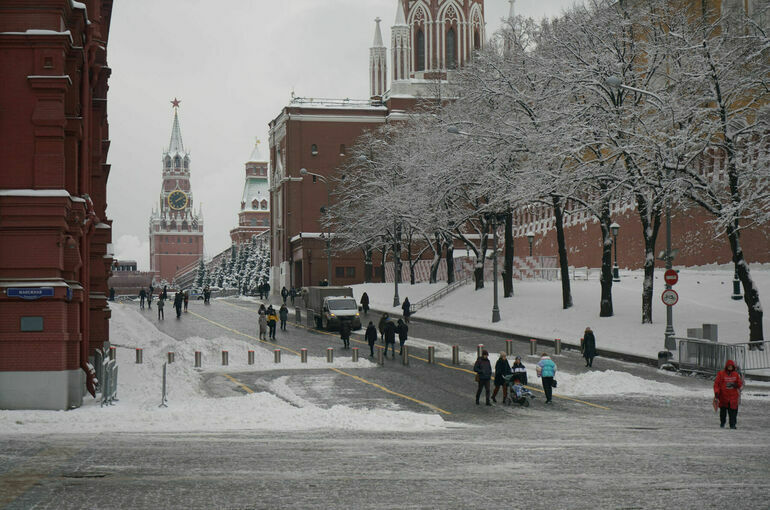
x=671 y=277
x=669 y=297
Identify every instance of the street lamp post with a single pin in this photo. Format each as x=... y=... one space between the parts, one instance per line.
x=495 y=307
x=530 y=238
x=614 y=228
x=304 y=171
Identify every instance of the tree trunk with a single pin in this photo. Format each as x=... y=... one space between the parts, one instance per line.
x=750 y=290
x=508 y=262
x=436 y=259
x=650 y=219
x=411 y=262
x=478 y=270
x=450 y=261
x=368 y=264
x=566 y=291
x=384 y=257
x=605 y=307
x=397 y=255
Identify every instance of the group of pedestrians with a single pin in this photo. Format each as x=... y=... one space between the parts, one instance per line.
x=517 y=373
x=388 y=331
x=288 y=293
x=269 y=320
x=180 y=302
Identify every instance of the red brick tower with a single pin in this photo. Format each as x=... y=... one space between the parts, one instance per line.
x=176 y=231
x=254 y=216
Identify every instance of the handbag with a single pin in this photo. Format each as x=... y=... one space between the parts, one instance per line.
x=553 y=384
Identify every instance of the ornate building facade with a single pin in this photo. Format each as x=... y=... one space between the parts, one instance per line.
x=176 y=230
x=254 y=216
x=54 y=231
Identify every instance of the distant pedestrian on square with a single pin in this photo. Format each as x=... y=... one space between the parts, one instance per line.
x=292 y=294
x=262 y=325
x=161 y=315
x=546 y=370
x=390 y=338
x=345 y=334
x=519 y=370
x=483 y=369
x=502 y=368
x=165 y=292
x=149 y=298
x=402 y=329
x=284 y=294
x=588 y=346
x=142 y=297
x=406 y=307
x=185 y=299
x=371 y=337
x=178 y=301
x=283 y=315
x=365 y=303
x=272 y=321
x=727 y=393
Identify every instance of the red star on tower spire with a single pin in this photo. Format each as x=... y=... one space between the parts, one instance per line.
x=175 y=103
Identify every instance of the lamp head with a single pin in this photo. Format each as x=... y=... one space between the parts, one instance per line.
x=614 y=228
x=303 y=171
x=530 y=236
x=613 y=81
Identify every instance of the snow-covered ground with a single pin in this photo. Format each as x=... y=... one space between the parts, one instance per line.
x=535 y=309
x=189 y=409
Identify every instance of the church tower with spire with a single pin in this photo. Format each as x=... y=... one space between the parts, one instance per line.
x=254 y=216
x=176 y=230
x=378 y=65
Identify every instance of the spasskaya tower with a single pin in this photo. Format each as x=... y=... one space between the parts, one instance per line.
x=176 y=230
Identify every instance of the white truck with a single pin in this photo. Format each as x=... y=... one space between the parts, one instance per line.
x=332 y=305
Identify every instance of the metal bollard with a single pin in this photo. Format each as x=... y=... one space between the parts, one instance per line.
x=139 y=355
x=170 y=357
x=355 y=353
x=225 y=358
x=251 y=357
x=405 y=355
x=455 y=354
x=197 y=359
x=431 y=354
x=509 y=347
x=532 y=347
x=479 y=348
x=329 y=355
x=113 y=353
x=557 y=346
x=303 y=355
x=381 y=357
x=277 y=355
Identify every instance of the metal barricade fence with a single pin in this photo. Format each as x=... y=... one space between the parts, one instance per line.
x=109 y=381
x=757 y=356
x=709 y=357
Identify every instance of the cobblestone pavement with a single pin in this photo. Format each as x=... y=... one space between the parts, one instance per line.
x=631 y=452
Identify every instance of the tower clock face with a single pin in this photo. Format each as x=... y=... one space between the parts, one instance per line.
x=177 y=200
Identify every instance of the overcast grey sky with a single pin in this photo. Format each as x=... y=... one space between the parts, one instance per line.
x=233 y=65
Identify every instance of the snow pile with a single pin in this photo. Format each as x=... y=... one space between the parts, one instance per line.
x=612 y=382
x=189 y=409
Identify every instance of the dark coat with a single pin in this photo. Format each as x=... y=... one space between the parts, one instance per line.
x=381 y=324
x=484 y=368
x=283 y=313
x=402 y=330
x=371 y=335
x=390 y=332
x=284 y=293
x=142 y=293
x=589 y=345
x=406 y=307
x=345 y=330
x=520 y=371
x=501 y=368
x=365 y=300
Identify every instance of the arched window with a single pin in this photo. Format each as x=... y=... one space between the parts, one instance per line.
x=186 y=162
x=476 y=41
x=177 y=162
x=168 y=162
x=264 y=204
x=419 y=61
x=451 y=49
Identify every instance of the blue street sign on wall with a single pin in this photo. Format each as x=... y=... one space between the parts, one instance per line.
x=30 y=293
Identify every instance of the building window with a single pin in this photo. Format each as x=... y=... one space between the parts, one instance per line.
x=350 y=272
x=476 y=41
x=339 y=272
x=253 y=222
x=420 y=51
x=451 y=49
x=264 y=204
x=345 y=272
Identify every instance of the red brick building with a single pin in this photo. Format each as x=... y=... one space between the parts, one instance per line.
x=428 y=41
x=176 y=230
x=254 y=216
x=54 y=233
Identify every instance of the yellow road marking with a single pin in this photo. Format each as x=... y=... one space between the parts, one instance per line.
x=461 y=369
x=361 y=379
x=236 y=381
x=357 y=378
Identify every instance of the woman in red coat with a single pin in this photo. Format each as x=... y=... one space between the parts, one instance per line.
x=727 y=391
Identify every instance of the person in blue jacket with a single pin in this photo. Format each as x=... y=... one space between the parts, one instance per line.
x=546 y=370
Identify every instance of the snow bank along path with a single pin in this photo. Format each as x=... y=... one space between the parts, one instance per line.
x=189 y=408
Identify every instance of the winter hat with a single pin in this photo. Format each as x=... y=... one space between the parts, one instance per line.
x=485 y=353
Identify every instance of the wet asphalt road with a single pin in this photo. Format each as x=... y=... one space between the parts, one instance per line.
x=608 y=452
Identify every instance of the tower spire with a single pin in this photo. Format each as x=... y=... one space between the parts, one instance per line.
x=512 y=11
x=400 y=45
x=176 y=146
x=378 y=64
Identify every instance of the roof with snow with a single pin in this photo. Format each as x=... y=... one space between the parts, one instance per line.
x=377 y=35
x=256 y=193
x=256 y=155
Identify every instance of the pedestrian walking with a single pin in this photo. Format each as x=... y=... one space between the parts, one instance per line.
x=178 y=299
x=381 y=326
x=142 y=297
x=165 y=292
x=272 y=321
x=406 y=307
x=261 y=290
x=483 y=369
x=727 y=393
x=283 y=315
x=292 y=294
x=345 y=334
x=149 y=298
x=365 y=303
x=186 y=299
x=161 y=304
x=502 y=368
x=588 y=347
x=390 y=338
x=284 y=294
x=262 y=325
x=402 y=330
x=206 y=295
x=112 y=294
x=371 y=337
x=546 y=370
x=519 y=370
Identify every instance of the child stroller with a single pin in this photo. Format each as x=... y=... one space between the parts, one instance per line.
x=522 y=397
